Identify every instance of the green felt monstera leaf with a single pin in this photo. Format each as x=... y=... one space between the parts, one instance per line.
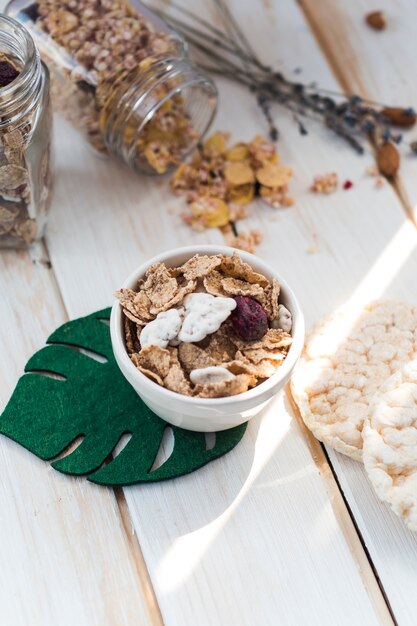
x=68 y=393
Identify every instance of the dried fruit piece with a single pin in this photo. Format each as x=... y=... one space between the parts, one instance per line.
x=388 y=159
x=376 y=20
x=405 y=118
x=8 y=73
x=249 y=319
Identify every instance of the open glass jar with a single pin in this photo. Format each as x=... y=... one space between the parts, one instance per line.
x=25 y=138
x=121 y=75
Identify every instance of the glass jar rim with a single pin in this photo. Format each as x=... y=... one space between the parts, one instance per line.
x=21 y=95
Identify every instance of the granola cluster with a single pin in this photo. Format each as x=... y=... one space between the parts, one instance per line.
x=105 y=47
x=25 y=175
x=221 y=180
x=211 y=328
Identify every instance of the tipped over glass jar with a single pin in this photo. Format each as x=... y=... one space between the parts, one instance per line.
x=121 y=75
x=25 y=138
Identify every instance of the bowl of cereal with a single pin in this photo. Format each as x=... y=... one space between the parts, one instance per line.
x=206 y=335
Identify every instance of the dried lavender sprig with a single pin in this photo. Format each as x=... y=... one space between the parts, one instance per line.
x=349 y=119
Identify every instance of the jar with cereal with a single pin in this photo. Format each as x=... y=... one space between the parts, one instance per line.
x=25 y=138
x=121 y=76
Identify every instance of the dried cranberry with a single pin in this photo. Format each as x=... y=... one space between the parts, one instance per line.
x=249 y=319
x=7 y=73
x=347 y=184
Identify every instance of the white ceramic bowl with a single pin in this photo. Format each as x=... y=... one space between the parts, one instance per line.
x=211 y=414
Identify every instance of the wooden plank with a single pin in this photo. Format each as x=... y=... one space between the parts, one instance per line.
x=243 y=549
x=65 y=557
x=378 y=65
x=366 y=249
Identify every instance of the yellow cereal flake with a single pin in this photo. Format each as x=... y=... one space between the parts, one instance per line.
x=215 y=145
x=274 y=175
x=238 y=152
x=212 y=211
x=238 y=173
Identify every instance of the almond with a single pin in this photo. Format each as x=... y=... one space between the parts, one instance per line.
x=388 y=159
x=406 y=118
x=376 y=20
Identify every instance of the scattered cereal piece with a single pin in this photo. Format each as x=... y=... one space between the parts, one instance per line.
x=219 y=180
x=372 y=170
x=210 y=212
x=208 y=375
x=379 y=182
x=271 y=175
x=247 y=241
x=312 y=249
x=239 y=173
x=249 y=319
x=376 y=20
x=325 y=183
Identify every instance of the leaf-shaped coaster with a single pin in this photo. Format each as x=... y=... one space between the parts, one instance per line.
x=67 y=393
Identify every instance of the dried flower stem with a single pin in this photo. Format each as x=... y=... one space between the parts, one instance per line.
x=227 y=53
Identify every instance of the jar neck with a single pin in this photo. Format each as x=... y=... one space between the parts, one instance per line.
x=21 y=96
x=136 y=99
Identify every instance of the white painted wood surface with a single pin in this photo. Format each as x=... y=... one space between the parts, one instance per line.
x=65 y=557
x=262 y=535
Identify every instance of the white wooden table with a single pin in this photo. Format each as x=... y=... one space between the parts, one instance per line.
x=279 y=531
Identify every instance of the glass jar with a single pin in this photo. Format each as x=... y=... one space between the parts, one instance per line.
x=121 y=75
x=25 y=138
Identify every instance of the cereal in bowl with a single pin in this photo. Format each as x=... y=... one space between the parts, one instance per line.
x=210 y=328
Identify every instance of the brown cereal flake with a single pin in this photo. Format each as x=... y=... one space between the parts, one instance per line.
x=236 y=268
x=131 y=339
x=238 y=384
x=159 y=285
x=199 y=266
x=154 y=359
x=126 y=298
x=189 y=287
x=176 y=380
x=236 y=287
x=213 y=283
x=192 y=357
